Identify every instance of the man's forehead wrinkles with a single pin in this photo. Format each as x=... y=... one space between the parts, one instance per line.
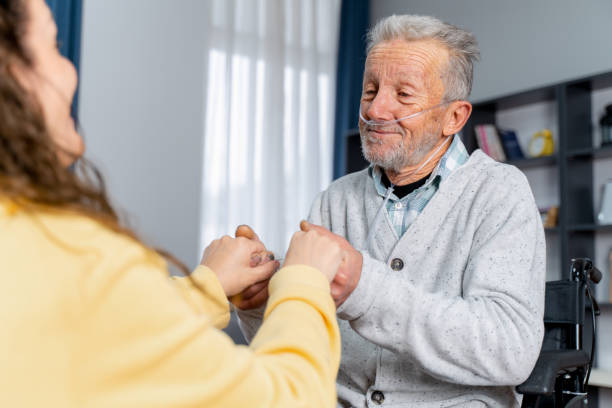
x=403 y=66
x=405 y=72
x=401 y=48
x=410 y=55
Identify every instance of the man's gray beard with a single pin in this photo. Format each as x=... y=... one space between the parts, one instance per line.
x=399 y=156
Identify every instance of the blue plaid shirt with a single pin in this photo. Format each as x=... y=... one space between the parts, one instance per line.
x=402 y=213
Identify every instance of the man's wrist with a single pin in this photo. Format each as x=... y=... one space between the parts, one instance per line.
x=362 y=297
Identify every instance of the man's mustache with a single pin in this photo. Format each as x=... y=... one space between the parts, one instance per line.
x=367 y=128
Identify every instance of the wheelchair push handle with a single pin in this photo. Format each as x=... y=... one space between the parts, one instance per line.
x=584 y=271
x=595 y=275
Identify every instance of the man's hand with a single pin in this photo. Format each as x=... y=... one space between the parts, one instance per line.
x=257 y=294
x=348 y=275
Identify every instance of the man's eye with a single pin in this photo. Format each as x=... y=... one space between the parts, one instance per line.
x=368 y=94
x=403 y=94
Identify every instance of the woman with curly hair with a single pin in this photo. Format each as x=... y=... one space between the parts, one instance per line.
x=88 y=314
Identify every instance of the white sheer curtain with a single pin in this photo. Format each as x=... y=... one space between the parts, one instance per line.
x=268 y=130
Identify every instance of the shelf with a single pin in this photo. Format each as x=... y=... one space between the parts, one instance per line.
x=589 y=227
x=601 y=378
x=543 y=94
x=595 y=152
x=534 y=162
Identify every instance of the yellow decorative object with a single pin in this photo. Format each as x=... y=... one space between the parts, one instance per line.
x=541 y=144
x=551 y=217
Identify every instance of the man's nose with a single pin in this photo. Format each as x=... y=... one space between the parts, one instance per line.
x=380 y=108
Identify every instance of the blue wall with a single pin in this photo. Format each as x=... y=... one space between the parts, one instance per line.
x=67 y=15
x=354 y=19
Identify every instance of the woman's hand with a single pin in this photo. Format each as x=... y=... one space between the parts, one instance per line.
x=316 y=250
x=349 y=272
x=231 y=259
x=255 y=295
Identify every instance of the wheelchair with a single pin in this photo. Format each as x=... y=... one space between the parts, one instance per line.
x=561 y=375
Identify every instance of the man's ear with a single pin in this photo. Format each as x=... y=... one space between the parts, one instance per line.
x=456 y=116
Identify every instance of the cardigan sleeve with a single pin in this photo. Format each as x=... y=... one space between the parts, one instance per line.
x=204 y=294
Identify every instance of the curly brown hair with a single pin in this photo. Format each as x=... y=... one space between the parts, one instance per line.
x=31 y=173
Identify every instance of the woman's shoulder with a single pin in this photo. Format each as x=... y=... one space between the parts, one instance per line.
x=50 y=231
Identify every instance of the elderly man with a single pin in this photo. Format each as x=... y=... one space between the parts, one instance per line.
x=441 y=297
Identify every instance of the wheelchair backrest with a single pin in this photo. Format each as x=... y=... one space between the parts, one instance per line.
x=563 y=314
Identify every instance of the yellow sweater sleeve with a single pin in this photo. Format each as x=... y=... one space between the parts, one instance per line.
x=142 y=345
x=208 y=298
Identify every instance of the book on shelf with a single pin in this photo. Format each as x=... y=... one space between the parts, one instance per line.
x=489 y=142
x=511 y=144
x=549 y=216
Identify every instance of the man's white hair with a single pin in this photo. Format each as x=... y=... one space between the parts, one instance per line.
x=462 y=47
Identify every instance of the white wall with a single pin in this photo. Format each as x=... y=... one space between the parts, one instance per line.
x=141 y=109
x=524 y=43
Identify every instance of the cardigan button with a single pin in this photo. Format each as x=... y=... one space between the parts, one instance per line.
x=397 y=264
x=378 y=397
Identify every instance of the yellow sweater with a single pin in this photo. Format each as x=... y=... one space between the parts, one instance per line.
x=89 y=318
